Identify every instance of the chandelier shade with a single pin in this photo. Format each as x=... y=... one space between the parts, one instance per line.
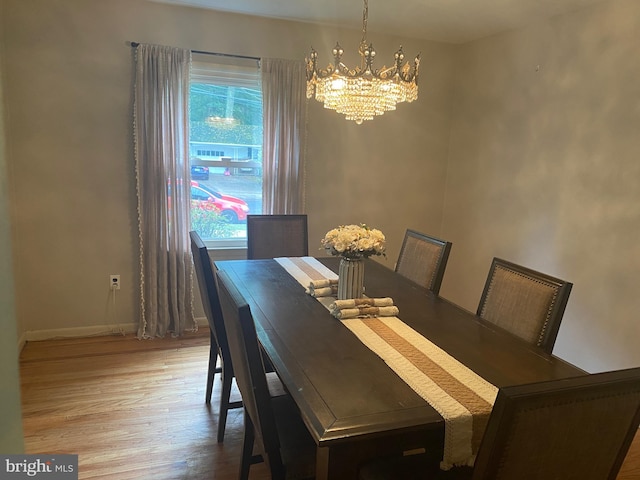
x=362 y=93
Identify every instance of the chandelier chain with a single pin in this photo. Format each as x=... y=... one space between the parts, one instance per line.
x=365 y=17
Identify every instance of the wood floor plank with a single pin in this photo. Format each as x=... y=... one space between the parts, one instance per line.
x=135 y=409
x=130 y=409
x=631 y=467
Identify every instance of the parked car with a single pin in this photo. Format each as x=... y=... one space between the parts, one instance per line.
x=232 y=208
x=198 y=172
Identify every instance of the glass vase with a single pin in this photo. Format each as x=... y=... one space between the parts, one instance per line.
x=351 y=278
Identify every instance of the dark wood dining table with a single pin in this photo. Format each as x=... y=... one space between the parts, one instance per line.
x=353 y=404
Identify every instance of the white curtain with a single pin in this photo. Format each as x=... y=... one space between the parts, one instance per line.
x=284 y=130
x=161 y=139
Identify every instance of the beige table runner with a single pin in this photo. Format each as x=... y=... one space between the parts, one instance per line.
x=463 y=398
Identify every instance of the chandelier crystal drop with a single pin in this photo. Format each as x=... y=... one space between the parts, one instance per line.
x=363 y=92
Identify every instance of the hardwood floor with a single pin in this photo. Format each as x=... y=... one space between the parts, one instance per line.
x=135 y=409
x=631 y=466
x=130 y=409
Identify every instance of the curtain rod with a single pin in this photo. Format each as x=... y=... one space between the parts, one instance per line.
x=202 y=52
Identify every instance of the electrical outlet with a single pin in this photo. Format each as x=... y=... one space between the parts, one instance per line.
x=114 y=282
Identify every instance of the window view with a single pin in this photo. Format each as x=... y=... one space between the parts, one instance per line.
x=225 y=150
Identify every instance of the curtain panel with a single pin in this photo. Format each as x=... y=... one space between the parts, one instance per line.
x=161 y=140
x=284 y=134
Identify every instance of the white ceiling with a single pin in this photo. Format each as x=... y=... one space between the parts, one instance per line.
x=454 y=21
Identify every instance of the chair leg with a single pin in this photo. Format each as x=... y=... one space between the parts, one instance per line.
x=247 y=448
x=227 y=379
x=212 y=370
x=211 y=373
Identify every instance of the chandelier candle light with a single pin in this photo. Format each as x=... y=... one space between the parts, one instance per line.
x=363 y=92
x=353 y=243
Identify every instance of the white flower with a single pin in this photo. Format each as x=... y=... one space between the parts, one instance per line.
x=354 y=241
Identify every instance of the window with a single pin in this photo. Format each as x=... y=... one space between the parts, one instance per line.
x=210 y=153
x=226 y=139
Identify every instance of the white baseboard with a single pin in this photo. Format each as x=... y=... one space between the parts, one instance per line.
x=92 y=331
x=74 y=332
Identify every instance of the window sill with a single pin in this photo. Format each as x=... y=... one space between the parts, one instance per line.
x=227 y=253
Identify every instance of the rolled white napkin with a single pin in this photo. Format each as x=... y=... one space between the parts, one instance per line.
x=365 y=311
x=325 y=282
x=361 y=302
x=324 y=292
x=322 y=288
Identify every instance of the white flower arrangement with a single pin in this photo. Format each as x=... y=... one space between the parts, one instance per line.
x=354 y=241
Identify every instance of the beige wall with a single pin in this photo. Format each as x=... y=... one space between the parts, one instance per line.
x=544 y=168
x=68 y=95
x=11 y=440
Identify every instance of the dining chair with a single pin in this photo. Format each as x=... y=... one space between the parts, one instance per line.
x=525 y=302
x=272 y=236
x=571 y=429
x=423 y=259
x=219 y=346
x=275 y=424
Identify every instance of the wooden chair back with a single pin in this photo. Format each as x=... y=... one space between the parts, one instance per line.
x=250 y=373
x=527 y=303
x=423 y=259
x=272 y=236
x=579 y=428
x=209 y=293
x=574 y=429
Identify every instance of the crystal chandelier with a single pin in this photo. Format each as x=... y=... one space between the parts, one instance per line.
x=363 y=92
